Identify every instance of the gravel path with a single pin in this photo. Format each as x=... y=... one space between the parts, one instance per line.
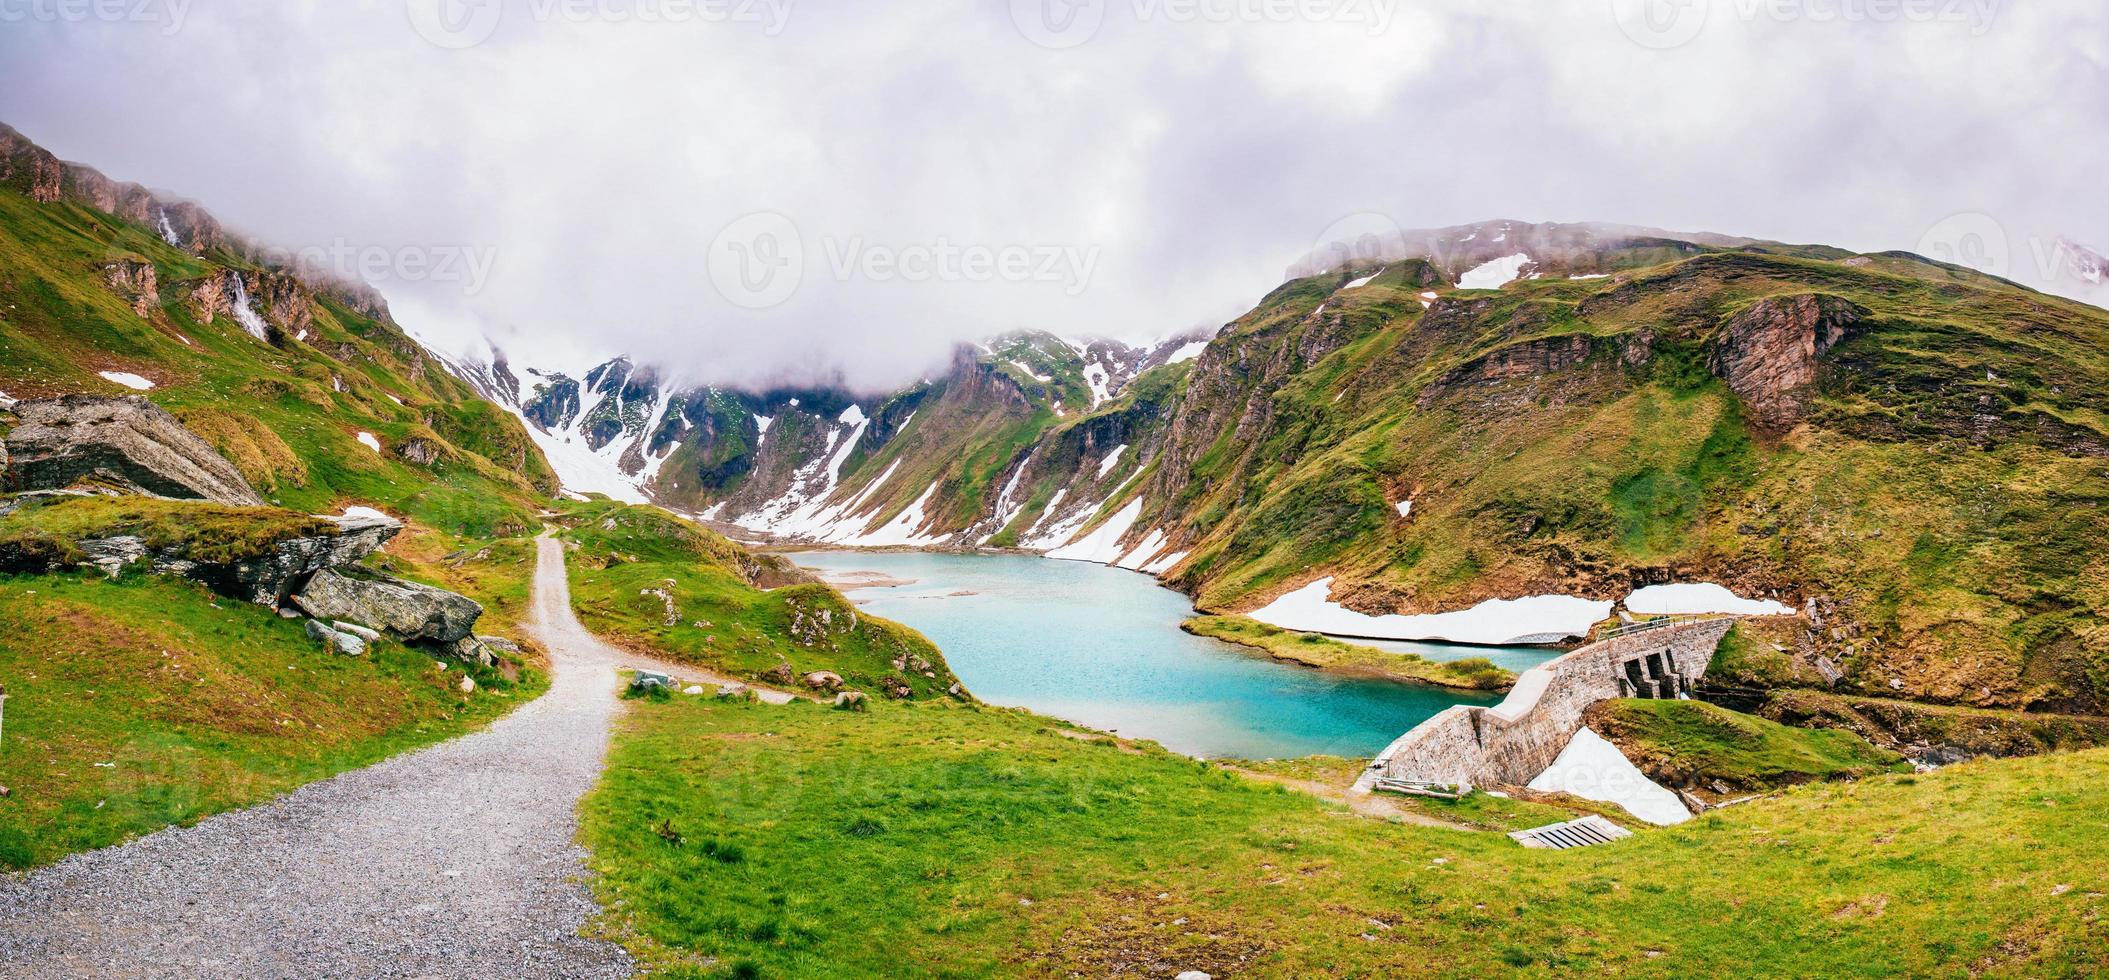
x=453 y=861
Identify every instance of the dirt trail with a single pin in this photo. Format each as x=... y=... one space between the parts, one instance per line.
x=456 y=860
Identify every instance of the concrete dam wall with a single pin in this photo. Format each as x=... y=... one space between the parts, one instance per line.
x=1512 y=742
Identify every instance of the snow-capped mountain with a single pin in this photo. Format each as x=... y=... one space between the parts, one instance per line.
x=825 y=465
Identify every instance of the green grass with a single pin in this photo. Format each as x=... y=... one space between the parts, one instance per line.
x=950 y=840
x=626 y=555
x=1325 y=653
x=288 y=414
x=211 y=533
x=1694 y=744
x=148 y=701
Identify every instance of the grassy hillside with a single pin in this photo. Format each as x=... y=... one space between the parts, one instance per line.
x=738 y=840
x=1695 y=745
x=148 y=701
x=646 y=579
x=287 y=412
x=1939 y=491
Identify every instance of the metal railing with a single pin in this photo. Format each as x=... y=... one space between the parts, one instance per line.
x=1659 y=622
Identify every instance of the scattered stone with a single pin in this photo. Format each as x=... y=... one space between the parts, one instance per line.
x=472 y=650
x=647 y=680
x=850 y=701
x=113 y=555
x=501 y=644
x=127 y=442
x=467 y=685
x=338 y=642
x=406 y=609
x=362 y=632
x=692 y=689
x=824 y=679
x=733 y=689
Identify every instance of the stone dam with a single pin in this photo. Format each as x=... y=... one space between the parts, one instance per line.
x=1510 y=743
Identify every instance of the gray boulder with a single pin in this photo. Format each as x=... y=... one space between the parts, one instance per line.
x=271 y=578
x=113 y=555
x=473 y=649
x=126 y=442
x=337 y=640
x=370 y=636
x=409 y=611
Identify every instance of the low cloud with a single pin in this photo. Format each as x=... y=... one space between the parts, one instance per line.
x=941 y=172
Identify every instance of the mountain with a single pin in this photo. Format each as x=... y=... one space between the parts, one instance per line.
x=303 y=380
x=1912 y=452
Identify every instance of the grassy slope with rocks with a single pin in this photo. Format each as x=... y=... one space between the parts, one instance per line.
x=935 y=839
x=286 y=413
x=200 y=703
x=149 y=701
x=1942 y=495
x=735 y=612
x=1325 y=653
x=1694 y=745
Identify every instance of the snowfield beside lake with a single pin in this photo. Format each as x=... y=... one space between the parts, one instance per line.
x=1495 y=622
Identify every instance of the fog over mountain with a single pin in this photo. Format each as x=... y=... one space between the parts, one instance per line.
x=586 y=178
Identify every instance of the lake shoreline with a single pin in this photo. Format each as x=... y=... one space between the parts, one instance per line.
x=1319 y=651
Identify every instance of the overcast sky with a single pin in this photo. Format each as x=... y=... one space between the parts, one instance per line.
x=750 y=190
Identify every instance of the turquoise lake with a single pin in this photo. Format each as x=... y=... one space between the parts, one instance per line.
x=1102 y=647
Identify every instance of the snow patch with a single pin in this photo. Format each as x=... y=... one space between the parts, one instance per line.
x=1364 y=281
x=1101 y=385
x=1594 y=769
x=1112 y=459
x=852 y=415
x=1699 y=597
x=1404 y=507
x=1187 y=352
x=1592 y=275
x=1102 y=545
x=1495 y=622
x=128 y=379
x=368 y=440
x=1495 y=274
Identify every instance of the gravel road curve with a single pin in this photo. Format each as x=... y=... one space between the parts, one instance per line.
x=453 y=861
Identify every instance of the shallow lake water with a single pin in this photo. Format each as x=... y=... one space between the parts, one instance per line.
x=1102 y=647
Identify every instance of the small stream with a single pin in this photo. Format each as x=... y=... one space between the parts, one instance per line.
x=1102 y=647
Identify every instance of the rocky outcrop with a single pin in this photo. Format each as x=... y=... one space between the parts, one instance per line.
x=127 y=442
x=136 y=282
x=273 y=575
x=407 y=610
x=28 y=167
x=1768 y=354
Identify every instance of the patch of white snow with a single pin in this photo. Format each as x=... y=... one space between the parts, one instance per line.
x=1699 y=597
x=1495 y=622
x=368 y=440
x=1495 y=274
x=128 y=379
x=1594 y=769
